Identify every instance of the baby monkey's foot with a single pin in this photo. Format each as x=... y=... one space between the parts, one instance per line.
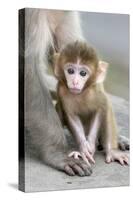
x=117 y=155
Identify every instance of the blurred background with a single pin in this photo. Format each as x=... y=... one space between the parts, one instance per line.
x=109 y=34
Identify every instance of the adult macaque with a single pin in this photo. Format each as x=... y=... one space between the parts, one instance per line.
x=42 y=32
x=83 y=103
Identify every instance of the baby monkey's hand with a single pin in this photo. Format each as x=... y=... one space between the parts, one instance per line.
x=78 y=155
x=85 y=152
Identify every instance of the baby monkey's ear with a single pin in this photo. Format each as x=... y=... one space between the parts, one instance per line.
x=101 y=71
x=56 y=67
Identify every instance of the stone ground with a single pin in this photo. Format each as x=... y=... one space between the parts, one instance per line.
x=39 y=177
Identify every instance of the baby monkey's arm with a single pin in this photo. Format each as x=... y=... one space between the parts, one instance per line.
x=76 y=127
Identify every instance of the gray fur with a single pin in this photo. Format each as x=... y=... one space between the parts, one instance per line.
x=45 y=29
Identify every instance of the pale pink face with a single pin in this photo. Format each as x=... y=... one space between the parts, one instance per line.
x=76 y=76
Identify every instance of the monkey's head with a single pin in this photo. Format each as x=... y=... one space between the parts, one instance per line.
x=78 y=66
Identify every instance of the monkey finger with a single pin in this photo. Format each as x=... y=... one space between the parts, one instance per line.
x=121 y=161
x=108 y=159
x=90 y=157
x=88 y=171
x=78 y=170
x=126 y=156
x=126 y=160
x=85 y=159
x=82 y=164
x=71 y=154
x=69 y=170
x=89 y=149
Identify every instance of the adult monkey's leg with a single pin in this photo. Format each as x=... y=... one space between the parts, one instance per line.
x=45 y=128
x=41 y=118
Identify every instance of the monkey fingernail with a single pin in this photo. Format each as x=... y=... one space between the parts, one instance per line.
x=90 y=158
x=86 y=160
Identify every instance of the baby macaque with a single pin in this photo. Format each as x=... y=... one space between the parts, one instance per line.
x=83 y=105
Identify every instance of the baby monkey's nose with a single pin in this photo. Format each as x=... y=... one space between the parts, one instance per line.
x=75 y=82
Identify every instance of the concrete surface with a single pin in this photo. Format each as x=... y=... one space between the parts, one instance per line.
x=39 y=177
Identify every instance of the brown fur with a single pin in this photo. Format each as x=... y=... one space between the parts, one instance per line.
x=92 y=100
x=72 y=52
x=93 y=96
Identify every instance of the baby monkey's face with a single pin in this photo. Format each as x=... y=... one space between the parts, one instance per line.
x=81 y=67
x=76 y=76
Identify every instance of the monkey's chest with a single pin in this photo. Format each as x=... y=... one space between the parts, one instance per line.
x=79 y=106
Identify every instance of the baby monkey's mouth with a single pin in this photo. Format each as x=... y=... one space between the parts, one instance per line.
x=75 y=90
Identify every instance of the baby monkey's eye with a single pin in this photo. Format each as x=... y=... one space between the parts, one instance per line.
x=83 y=73
x=70 y=71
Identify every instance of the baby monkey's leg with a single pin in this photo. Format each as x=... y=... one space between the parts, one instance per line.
x=93 y=132
x=110 y=140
